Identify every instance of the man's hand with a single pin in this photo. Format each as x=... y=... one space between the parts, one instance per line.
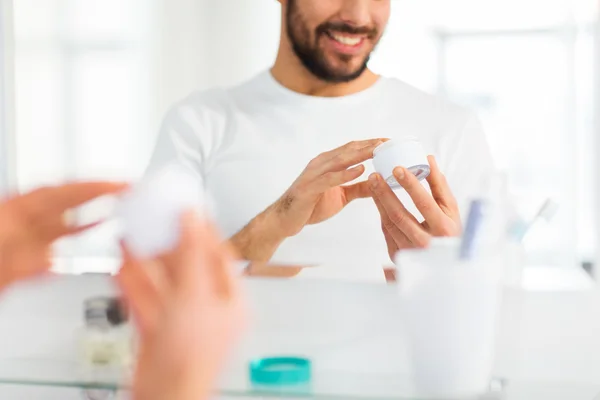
x=30 y=223
x=317 y=195
x=400 y=227
x=188 y=308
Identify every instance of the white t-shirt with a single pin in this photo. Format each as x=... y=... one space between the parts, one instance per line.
x=249 y=143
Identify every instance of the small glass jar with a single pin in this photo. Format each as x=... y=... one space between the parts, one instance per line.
x=106 y=338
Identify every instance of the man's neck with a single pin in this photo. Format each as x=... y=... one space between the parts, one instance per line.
x=294 y=76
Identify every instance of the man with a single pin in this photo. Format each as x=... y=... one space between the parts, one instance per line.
x=282 y=154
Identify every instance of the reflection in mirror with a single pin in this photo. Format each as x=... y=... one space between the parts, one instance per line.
x=279 y=118
x=328 y=140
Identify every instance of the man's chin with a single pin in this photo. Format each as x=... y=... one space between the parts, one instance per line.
x=345 y=72
x=344 y=76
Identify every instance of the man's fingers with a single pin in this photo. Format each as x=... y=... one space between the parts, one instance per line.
x=57 y=227
x=64 y=197
x=334 y=179
x=25 y=262
x=440 y=189
x=226 y=279
x=392 y=245
x=398 y=215
x=47 y=208
x=351 y=146
x=182 y=262
x=343 y=157
x=205 y=262
x=75 y=230
x=262 y=269
x=424 y=202
x=349 y=158
x=359 y=190
x=140 y=291
x=218 y=261
x=393 y=235
x=63 y=228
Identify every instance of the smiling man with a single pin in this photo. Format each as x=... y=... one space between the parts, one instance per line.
x=286 y=155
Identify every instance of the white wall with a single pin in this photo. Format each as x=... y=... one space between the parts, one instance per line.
x=206 y=43
x=185 y=45
x=597 y=140
x=6 y=95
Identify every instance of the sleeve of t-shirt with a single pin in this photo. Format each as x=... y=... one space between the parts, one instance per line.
x=189 y=134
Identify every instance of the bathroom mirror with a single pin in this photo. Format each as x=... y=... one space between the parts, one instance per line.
x=95 y=82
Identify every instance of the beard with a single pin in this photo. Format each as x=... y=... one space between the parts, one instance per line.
x=313 y=57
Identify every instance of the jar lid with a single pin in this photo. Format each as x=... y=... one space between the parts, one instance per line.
x=104 y=311
x=280 y=370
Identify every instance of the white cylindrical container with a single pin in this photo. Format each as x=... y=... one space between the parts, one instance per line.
x=408 y=153
x=449 y=309
x=515 y=259
x=149 y=213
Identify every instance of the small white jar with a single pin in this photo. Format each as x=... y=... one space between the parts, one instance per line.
x=408 y=153
x=149 y=212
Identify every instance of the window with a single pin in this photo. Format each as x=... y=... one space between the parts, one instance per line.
x=6 y=92
x=83 y=97
x=526 y=67
x=530 y=92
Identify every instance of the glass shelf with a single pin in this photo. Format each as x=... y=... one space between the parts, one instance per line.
x=325 y=384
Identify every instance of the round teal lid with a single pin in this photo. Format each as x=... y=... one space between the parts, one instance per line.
x=280 y=370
